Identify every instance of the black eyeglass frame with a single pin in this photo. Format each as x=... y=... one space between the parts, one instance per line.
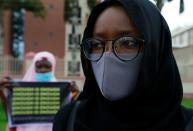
x=135 y=39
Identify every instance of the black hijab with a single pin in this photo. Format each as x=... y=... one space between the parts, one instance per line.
x=156 y=103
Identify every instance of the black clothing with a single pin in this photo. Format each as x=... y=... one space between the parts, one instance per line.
x=155 y=105
x=63 y=121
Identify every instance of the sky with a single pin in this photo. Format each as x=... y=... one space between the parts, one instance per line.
x=175 y=20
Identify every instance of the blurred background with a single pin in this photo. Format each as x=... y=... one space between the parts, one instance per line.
x=30 y=26
x=178 y=14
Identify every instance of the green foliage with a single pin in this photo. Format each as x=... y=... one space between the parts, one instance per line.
x=91 y=3
x=34 y=6
x=68 y=6
x=181 y=6
x=70 y=9
x=160 y=4
x=187 y=103
x=3 y=118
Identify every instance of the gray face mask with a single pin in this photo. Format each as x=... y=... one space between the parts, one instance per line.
x=116 y=79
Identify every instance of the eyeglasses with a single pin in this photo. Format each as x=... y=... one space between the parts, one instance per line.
x=125 y=48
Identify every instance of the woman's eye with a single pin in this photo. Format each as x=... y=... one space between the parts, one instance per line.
x=129 y=44
x=97 y=45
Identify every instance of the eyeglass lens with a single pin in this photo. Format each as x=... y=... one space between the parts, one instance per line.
x=125 y=48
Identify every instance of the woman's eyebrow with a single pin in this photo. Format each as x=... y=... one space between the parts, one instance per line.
x=98 y=34
x=117 y=33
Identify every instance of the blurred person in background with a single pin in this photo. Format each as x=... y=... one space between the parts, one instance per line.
x=42 y=69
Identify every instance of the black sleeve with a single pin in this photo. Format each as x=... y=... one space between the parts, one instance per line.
x=61 y=118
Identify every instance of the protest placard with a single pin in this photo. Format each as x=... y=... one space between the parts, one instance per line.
x=36 y=102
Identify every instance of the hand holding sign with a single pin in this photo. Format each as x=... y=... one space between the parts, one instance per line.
x=36 y=102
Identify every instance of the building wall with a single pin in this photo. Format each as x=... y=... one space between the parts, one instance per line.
x=46 y=34
x=1 y=37
x=185 y=62
x=183 y=51
x=6 y=33
x=39 y=34
x=73 y=35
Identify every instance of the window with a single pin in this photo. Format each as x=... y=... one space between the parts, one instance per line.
x=51 y=34
x=74 y=68
x=75 y=15
x=191 y=36
x=51 y=6
x=1 y=43
x=184 y=39
x=34 y=44
x=17 y=34
x=173 y=41
x=176 y=41
x=74 y=41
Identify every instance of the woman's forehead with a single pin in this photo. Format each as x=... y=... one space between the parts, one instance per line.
x=121 y=22
x=43 y=60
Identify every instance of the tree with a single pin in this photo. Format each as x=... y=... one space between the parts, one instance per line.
x=34 y=6
x=91 y=3
x=70 y=9
x=160 y=4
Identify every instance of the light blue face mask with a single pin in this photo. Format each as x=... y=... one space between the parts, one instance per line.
x=116 y=78
x=44 y=77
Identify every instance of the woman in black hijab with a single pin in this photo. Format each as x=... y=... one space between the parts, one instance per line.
x=132 y=80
